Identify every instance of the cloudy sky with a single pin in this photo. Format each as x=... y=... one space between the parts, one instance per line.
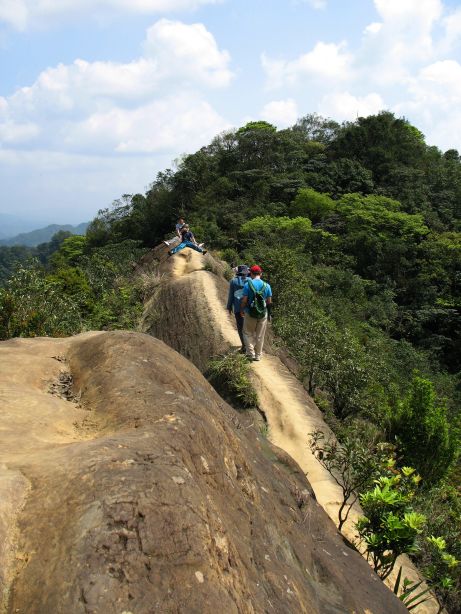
x=97 y=96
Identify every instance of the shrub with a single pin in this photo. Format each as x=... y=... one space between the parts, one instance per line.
x=32 y=306
x=423 y=430
x=442 y=505
x=230 y=376
x=312 y=204
x=230 y=255
x=390 y=526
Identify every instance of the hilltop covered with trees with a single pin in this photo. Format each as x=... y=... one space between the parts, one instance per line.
x=358 y=229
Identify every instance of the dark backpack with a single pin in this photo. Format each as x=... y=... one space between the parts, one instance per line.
x=257 y=305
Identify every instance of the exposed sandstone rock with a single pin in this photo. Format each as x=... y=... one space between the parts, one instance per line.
x=149 y=495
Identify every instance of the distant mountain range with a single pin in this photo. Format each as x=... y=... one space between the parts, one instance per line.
x=11 y=225
x=43 y=235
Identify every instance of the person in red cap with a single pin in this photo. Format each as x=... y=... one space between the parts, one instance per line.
x=255 y=307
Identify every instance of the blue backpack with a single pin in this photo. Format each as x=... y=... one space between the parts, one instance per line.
x=239 y=293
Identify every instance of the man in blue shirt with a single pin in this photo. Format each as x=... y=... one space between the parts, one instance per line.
x=254 y=328
x=234 y=298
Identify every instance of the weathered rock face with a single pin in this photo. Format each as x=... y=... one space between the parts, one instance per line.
x=152 y=496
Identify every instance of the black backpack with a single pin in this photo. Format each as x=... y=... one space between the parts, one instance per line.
x=257 y=305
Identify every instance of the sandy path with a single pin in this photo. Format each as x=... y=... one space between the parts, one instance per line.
x=186 y=261
x=291 y=415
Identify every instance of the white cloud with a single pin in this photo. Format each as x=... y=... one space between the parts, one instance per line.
x=282 y=113
x=177 y=55
x=373 y=28
x=326 y=61
x=188 y=50
x=315 y=4
x=175 y=123
x=402 y=39
x=145 y=105
x=15 y=13
x=452 y=26
x=345 y=106
x=433 y=102
x=23 y=13
x=419 y=13
x=13 y=132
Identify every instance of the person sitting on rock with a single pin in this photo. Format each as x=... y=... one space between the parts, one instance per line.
x=234 y=298
x=187 y=240
x=178 y=228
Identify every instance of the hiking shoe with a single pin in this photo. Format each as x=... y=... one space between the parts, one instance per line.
x=169 y=253
x=204 y=251
x=256 y=358
x=249 y=357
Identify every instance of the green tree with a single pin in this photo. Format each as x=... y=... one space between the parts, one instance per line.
x=314 y=127
x=380 y=143
x=312 y=204
x=278 y=230
x=425 y=435
x=354 y=462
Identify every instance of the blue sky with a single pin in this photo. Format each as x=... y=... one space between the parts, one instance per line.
x=97 y=96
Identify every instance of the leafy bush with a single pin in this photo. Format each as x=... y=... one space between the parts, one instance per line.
x=442 y=506
x=230 y=375
x=79 y=289
x=277 y=229
x=312 y=204
x=230 y=255
x=443 y=570
x=390 y=527
x=423 y=430
x=31 y=306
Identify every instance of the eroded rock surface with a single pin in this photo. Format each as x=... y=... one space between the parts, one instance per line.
x=149 y=494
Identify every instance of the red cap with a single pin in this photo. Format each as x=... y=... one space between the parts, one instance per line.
x=256 y=269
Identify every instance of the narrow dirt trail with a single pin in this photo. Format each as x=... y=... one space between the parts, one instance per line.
x=291 y=414
x=186 y=261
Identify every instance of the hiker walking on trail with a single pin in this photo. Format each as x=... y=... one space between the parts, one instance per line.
x=187 y=240
x=179 y=226
x=255 y=308
x=234 y=298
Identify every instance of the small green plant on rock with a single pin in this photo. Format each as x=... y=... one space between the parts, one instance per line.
x=390 y=527
x=230 y=376
x=408 y=595
x=442 y=572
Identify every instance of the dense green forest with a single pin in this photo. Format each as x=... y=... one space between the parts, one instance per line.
x=358 y=229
